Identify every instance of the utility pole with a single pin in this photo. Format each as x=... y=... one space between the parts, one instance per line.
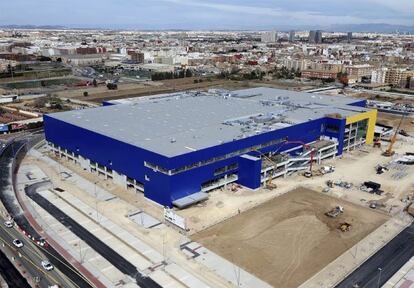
x=96 y=200
x=81 y=253
x=163 y=246
x=379 y=277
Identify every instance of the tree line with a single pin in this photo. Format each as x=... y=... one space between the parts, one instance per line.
x=158 y=76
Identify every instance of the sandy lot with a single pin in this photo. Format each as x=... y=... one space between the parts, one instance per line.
x=394 y=120
x=288 y=239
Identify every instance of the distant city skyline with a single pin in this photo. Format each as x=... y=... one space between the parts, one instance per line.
x=209 y=14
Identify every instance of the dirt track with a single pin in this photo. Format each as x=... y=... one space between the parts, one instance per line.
x=394 y=120
x=288 y=239
x=101 y=93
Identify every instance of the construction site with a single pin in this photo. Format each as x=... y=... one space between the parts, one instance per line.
x=304 y=212
x=289 y=238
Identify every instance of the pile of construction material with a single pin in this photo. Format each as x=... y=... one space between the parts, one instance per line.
x=371 y=187
x=406 y=159
x=343 y=184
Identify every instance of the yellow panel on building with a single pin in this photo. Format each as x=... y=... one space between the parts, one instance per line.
x=371 y=116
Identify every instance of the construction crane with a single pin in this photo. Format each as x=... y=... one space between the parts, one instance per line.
x=269 y=182
x=389 y=152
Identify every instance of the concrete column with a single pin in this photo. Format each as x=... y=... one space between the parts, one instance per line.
x=84 y=163
x=119 y=179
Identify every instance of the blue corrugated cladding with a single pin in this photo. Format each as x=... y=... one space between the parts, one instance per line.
x=362 y=103
x=4 y=127
x=107 y=103
x=163 y=189
x=250 y=172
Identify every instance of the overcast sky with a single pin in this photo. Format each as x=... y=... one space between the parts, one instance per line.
x=215 y=14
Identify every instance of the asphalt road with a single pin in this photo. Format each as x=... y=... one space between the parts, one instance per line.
x=378 y=269
x=11 y=276
x=10 y=203
x=31 y=258
x=104 y=250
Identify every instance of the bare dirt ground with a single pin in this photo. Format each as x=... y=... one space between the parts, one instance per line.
x=288 y=239
x=394 y=120
x=101 y=93
x=354 y=167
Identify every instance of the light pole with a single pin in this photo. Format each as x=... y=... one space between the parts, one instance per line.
x=96 y=201
x=379 y=277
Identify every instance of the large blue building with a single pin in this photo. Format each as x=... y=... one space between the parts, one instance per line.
x=176 y=147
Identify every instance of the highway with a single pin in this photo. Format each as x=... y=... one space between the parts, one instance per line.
x=31 y=258
x=72 y=277
x=104 y=250
x=11 y=276
x=378 y=269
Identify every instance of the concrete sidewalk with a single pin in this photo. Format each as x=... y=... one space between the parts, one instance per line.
x=95 y=263
x=229 y=271
x=404 y=278
x=146 y=259
x=22 y=180
x=76 y=206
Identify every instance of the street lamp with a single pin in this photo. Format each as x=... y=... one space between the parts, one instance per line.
x=379 y=277
x=96 y=202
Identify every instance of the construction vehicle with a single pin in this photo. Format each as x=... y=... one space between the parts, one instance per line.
x=326 y=190
x=381 y=169
x=234 y=187
x=308 y=174
x=112 y=86
x=345 y=227
x=330 y=184
x=335 y=212
x=404 y=133
x=390 y=152
x=377 y=142
x=270 y=185
x=327 y=169
x=269 y=182
x=410 y=209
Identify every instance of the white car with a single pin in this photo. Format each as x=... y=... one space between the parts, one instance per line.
x=17 y=243
x=8 y=224
x=47 y=266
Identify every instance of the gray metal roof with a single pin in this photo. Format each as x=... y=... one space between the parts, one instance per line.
x=190 y=199
x=175 y=124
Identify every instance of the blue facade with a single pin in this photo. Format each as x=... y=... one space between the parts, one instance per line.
x=4 y=128
x=362 y=103
x=164 y=188
x=249 y=171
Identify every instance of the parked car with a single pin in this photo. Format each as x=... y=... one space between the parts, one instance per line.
x=47 y=265
x=8 y=224
x=41 y=242
x=17 y=243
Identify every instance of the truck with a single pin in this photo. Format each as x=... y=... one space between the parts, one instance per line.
x=327 y=169
x=335 y=212
x=112 y=86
